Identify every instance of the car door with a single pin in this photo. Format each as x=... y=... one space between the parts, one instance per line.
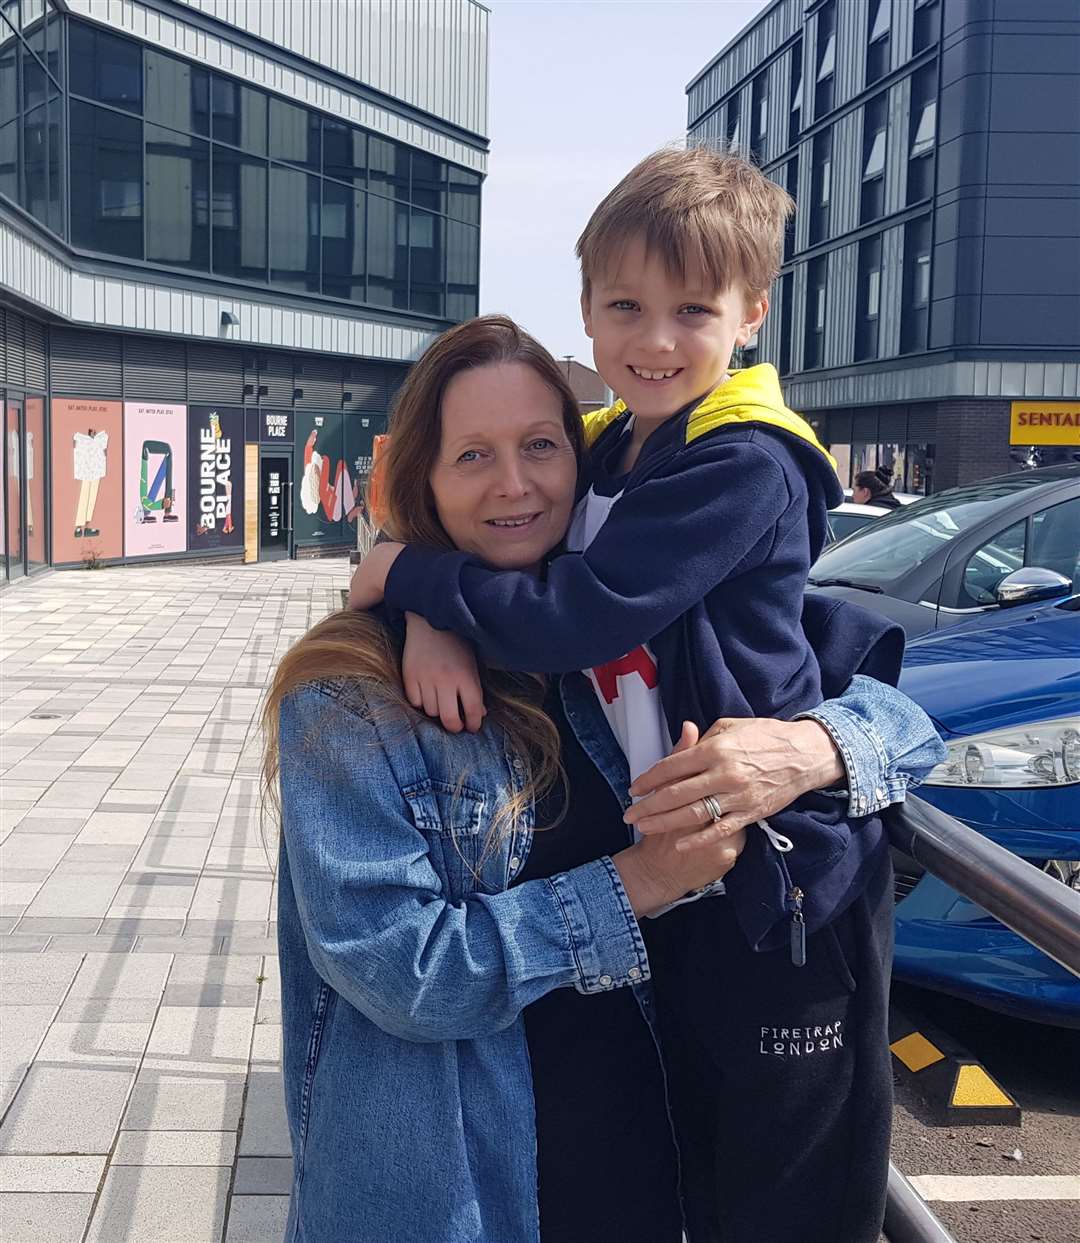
x=1046 y=536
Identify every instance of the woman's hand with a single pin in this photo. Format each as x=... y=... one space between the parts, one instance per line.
x=752 y=767
x=657 y=871
x=439 y=674
x=369 y=582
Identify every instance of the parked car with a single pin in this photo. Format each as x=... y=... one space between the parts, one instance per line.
x=1005 y=696
x=962 y=554
x=849 y=517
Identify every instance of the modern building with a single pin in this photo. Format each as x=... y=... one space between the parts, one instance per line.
x=928 y=311
x=225 y=231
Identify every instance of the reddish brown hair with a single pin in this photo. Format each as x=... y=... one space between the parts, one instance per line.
x=698 y=208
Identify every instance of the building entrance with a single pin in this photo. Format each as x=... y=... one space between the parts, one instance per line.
x=275 y=507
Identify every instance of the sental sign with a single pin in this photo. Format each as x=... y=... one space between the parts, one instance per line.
x=1045 y=423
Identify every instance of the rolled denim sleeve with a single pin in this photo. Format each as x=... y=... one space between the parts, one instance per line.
x=887 y=743
x=378 y=925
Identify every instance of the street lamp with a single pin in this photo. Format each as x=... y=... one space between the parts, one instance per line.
x=568 y=359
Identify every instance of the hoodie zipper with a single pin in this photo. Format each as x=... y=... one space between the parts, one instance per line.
x=798 y=927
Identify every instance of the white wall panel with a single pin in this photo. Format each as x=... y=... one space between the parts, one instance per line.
x=143 y=306
x=219 y=52
x=429 y=53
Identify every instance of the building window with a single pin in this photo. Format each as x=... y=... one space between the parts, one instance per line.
x=821 y=186
x=177 y=199
x=177 y=94
x=388 y=252
x=106 y=181
x=923 y=131
x=791 y=184
x=927 y=24
x=464 y=195
x=734 y=124
x=826 y=60
x=795 y=107
x=388 y=168
x=814 y=342
x=239 y=215
x=344 y=239
x=787 y=296
x=294 y=229
x=877 y=40
x=105 y=67
x=759 y=117
x=915 y=313
x=344 y=152
x=427 y=263
x=462 y=269
x=868 y=300
x=428 y=182
x=239 y=115
x=875 y=123
x=295 y=135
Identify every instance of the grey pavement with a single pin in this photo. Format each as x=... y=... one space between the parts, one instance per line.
x=140 y=1041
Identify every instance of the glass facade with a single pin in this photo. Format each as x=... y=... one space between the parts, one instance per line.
x=175 y=165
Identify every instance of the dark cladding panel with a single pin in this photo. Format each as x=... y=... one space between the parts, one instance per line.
x=36 y=358
x=319 y=379
x=155 y=369
x=215 y=374
x=367 y=382
x=275 y=372
x=15 y=361
x=86 y=363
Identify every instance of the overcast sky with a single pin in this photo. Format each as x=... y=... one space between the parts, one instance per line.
x=579 y=93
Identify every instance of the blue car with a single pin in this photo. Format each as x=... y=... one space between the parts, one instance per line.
x=1005 y=695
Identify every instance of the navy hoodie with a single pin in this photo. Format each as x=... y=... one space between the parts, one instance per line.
x=704 y=557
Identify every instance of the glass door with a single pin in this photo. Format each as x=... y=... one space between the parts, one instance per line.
x=275 y=510
x=14 y=476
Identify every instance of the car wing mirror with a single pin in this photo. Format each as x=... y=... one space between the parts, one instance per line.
x=1030 y=585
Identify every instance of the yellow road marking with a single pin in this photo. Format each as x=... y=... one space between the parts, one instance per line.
x=916 y=1052
x=975 y=1087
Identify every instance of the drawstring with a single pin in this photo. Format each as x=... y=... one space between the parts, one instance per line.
x=778 y=840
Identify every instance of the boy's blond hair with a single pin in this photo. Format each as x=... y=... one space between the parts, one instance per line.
x=698 y=208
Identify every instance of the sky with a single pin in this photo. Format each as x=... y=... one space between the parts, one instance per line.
x=579 y=92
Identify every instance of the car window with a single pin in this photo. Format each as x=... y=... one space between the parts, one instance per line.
x=992 y=561
x=843 y=524
x=1055 y=540
x=894 y=545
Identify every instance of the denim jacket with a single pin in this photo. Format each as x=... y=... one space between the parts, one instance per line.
x=406 y=961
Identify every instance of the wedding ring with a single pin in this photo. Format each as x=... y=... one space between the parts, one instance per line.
x=713 y=808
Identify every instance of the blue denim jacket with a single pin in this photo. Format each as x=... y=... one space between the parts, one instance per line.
x=406 y=961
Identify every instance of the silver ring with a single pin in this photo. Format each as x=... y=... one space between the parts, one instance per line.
x=713 y=808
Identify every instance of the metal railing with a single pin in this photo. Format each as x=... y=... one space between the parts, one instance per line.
x=1034 y=905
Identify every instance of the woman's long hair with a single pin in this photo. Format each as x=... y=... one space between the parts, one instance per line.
x=354 y=645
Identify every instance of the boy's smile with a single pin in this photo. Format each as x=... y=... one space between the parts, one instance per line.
x=661 y=340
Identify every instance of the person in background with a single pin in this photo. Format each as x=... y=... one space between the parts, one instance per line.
x=875 y=487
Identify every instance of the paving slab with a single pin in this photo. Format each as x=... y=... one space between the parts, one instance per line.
x=38 y=1218
x=164 y=1204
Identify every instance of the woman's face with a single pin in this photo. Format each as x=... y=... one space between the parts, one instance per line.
x=861 y=496
x=505 y=474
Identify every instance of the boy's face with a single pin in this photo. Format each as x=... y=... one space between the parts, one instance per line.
x=660 y=341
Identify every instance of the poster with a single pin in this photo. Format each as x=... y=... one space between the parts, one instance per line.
x=155 y=479
x=360 y=433
x=34 y=449
x=326 y=493
x=215 y=477
x=87 y=479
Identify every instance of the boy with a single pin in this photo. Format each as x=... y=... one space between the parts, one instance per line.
x=706 y=508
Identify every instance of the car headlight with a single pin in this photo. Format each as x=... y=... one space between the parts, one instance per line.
x=1044 y=754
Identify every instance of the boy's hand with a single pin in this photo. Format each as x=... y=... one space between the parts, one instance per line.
x=656 y=872
x=752 y=767
x=439 y=674
x=369 y=582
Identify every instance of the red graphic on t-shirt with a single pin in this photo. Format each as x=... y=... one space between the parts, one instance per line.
x=638 y=661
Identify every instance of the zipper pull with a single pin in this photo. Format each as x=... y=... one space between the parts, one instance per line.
x=798 y=929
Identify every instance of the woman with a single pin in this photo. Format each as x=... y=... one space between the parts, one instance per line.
x=875 y=487
x=467 y=1048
